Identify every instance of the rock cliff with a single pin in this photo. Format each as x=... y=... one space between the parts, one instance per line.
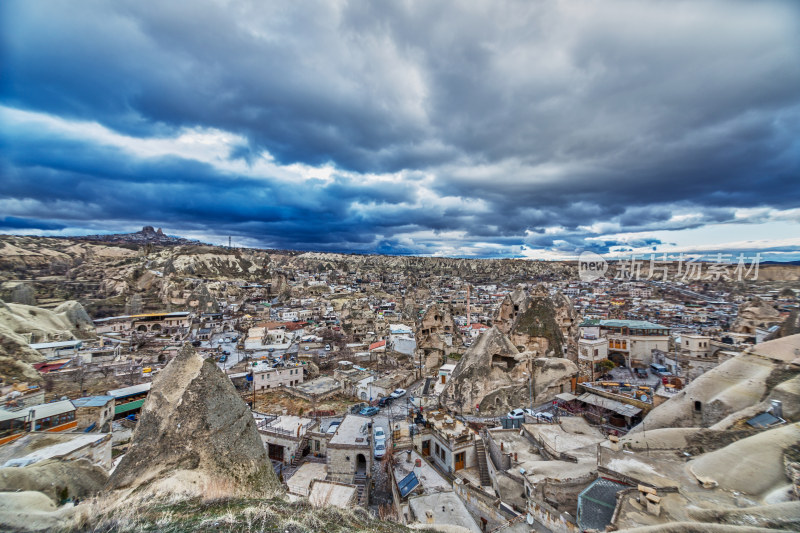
x=755 y=314
x=195 y=437
x=494 y=375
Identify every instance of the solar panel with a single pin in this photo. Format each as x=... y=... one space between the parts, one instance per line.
x=407 y=484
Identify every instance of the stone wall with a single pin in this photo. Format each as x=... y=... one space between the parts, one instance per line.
x=342 y=463
x=481 y=505
x=552 y=518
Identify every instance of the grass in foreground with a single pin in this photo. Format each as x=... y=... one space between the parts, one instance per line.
x=234 y=515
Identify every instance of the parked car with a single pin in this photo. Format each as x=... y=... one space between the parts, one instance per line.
x=660 y=370
x=223 y=358
x=545 y=417
x=380 y=449
x=386 y=400
x=327 y=347
x=378 y=434
x=398 y=393
x=516 y=414
x=369 y=411
x=640 y=372
x=226 y=352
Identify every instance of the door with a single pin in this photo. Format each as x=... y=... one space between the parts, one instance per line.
x=275 y=452
x=426 y=448
x=444 y=378
x=459 y=460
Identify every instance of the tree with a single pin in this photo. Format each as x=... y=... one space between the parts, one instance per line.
x=79 y=374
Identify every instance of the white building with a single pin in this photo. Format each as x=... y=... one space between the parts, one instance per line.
x=265 y=377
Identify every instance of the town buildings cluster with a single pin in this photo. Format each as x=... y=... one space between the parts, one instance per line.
x=434 y=397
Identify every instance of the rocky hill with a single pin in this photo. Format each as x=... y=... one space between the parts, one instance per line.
x=147 y=235
x=21 y=325
x=195 y=436
x=494 y=375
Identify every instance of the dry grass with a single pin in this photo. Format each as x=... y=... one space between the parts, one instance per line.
x=174 y=515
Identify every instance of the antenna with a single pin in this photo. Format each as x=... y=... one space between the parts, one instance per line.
x=229 y=241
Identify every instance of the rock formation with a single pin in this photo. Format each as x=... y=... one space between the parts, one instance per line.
x=493 y=374
x=437 y=336
x=738 y=389
x=59 y=480
x=23 y=294
x=195 y=436
x=21 y=325
x=539 y=323
x=202 y=300
x=753 y=314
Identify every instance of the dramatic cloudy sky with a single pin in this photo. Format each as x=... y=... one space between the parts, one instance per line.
x=524 y=128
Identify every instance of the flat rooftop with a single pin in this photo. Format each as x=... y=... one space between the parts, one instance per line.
x=572 y=433
x=319 y=385
x=290 y=423
x=349 y=432
x=327 y=493
x=301 y=480
x=428 y=477
x=517 y=444
x=448 y=425
x=445 y=508
x=35 y=447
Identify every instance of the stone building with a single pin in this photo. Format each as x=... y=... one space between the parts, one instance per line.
x=286 y=437
x=630 y=342
x=449 y=443
x=349 y=453
x=265 y=377
x=94 y=412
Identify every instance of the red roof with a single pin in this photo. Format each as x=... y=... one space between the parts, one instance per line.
x=293 y=326
x=378 y=344
x=46 y=367
x=479 y=326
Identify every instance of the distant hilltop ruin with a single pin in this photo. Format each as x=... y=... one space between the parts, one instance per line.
x=148 y=234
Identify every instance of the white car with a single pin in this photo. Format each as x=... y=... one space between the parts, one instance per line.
x=516 y=414
x=379 y=434
x=380 y=449
x=398 y=393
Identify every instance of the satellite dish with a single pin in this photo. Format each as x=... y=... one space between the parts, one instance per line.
x=643 y=397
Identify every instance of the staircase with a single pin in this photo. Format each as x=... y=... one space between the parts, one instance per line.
x=299 y=453
x=483 y=468
x=427 y=387
x=360 y=481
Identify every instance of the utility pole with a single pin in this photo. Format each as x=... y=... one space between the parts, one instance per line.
x=530 y=378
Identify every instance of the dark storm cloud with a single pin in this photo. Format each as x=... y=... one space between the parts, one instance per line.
x=16 y=223
x=592 y=118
